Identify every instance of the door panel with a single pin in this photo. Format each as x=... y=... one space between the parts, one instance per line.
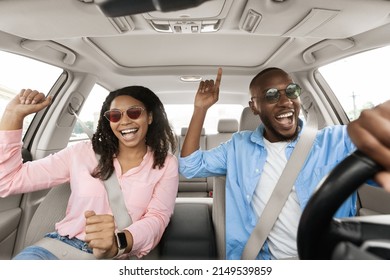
x=10 y=214
x=374 y=201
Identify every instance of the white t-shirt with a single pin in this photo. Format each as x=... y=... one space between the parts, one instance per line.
x=283 y=236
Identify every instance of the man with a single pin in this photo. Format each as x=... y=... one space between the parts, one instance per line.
x=254 y=160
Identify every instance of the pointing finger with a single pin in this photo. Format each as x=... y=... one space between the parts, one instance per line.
x=219 y=78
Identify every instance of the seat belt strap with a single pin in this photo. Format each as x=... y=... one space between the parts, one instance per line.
x=85 y=128
x=283 y=188
x=117 y=202
x=114 y=191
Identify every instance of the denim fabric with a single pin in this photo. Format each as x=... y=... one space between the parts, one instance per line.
x=35 y=253
x=39 y=253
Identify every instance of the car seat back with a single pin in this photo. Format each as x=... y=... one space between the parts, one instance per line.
x=248 y=121
x=51 y=210
x=194 y=187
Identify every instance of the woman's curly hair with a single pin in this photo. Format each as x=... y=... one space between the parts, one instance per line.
x=159 y=138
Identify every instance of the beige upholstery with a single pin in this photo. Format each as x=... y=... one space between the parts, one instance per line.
x=226 y=127
x=218 y=215
x=248 y=120
x=49 y=212
x=195 y=187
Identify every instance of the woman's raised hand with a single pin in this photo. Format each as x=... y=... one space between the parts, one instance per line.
x=29 y=101
x=26 y=102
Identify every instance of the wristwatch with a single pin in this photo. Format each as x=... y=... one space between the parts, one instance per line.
x=121 y=241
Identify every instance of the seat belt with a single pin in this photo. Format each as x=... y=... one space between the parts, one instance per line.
x=283 y=187
x=117 y=202
x=114 y=192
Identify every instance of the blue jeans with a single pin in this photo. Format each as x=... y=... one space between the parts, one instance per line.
x=39 y=253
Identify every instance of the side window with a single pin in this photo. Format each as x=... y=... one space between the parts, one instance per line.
x=18 y=72
x=89 y=113
x=359 y=81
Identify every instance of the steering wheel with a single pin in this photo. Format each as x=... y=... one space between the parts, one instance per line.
x=322 y=237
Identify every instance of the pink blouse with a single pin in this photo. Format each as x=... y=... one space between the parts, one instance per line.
x=149 y=193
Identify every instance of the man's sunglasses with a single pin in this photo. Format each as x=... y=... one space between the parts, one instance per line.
x=115 y=115
x=272 y=95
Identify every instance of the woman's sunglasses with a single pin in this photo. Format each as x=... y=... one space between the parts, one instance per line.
x=115 y=115
x=272 y=95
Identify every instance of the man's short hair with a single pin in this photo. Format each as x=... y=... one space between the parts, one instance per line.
x=266 y=70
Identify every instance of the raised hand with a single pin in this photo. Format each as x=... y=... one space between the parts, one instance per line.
x=29 y=101
x=206 y=96
x=26 y=102
x=208 y=92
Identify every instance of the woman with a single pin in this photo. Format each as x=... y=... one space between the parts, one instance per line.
x=133 y=139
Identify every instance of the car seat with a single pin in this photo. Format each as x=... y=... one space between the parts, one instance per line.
x=248 y=121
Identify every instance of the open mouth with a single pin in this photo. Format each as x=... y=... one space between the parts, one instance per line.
x=285 y=119
x=129 y=133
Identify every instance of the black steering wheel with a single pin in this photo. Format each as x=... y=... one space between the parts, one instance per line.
x=322 y=237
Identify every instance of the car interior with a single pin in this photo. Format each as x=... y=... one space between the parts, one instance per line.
x=96 y=46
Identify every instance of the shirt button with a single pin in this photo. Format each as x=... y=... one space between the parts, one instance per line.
x=257 y=170
x=248 y=197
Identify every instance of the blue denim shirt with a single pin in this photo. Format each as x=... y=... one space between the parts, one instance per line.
x=241 y=160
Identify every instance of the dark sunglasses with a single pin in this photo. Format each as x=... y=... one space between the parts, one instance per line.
x=115 y=115
x=272 y=95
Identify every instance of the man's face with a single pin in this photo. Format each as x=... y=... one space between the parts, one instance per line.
x=281 y=118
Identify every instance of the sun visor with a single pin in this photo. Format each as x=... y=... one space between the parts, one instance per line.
x=59 y=19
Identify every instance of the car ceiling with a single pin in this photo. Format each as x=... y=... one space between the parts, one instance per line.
x=293 y=34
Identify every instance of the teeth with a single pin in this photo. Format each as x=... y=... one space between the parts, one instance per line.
x=133 y=130
x=285 y=115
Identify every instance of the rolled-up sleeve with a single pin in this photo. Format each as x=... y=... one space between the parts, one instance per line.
x=202 y=164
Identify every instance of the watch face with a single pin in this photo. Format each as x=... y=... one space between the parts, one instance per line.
x=122 y=242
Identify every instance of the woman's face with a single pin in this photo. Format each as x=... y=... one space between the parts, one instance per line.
x=130 y=132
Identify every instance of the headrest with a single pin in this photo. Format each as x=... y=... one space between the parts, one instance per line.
x=227 y=125
x=184 y=131
x=248 y=120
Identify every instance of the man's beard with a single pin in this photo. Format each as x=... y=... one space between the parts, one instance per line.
x=267 y=123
